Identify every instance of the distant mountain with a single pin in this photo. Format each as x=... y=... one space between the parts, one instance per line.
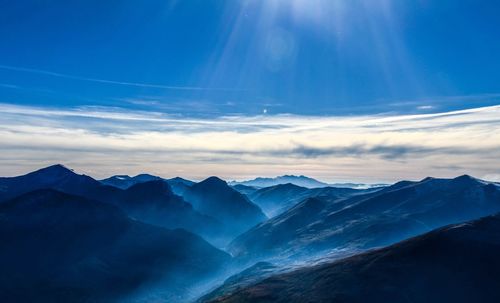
x=302 y=181
x=375 y=219
x=177 y=184
x=214 y=197
x=297 y=180
x=58 y=247
x=457 y=263
x=274 y=200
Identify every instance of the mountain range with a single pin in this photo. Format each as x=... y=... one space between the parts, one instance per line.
x=302 y=181
x=374 y=219
x=277 y=199
x=58 y=247
x=457 y=263
x=70 y=238
x=216 y=209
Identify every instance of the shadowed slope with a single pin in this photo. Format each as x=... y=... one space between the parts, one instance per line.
x=458 y=263
x=149 y=201
x=59 y=247
x=275 y=200
x=215 y=198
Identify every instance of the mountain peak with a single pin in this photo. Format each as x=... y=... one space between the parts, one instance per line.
x=56 y=168
x=181 y=181
x=214 y=181
x=146 y=177
x=467 y=179
x=126 y=181
x=177 y=179
x=53 y=172
x=427 y=179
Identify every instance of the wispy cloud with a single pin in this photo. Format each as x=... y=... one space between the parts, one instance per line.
x=102 y=140
x=105 y=81
x=7 y=85
x=492 y=177
x=425 y=107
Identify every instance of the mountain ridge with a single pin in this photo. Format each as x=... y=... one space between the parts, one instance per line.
x=374 y=219
x=301 y=180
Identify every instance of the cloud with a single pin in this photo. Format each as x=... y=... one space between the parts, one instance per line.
x=101 y=140
x=104 y=81
x=492 y=177
x=425 y=107
x=7 y=85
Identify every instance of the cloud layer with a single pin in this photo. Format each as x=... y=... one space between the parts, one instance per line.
x=101 y=141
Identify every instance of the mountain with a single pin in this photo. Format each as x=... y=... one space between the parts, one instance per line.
x=302 y=181
x=374 y=219
x=274 y=200
x=177 y=184
x=154 y=202
x=244 y=189
x=297 y=180
x=56 y=177
x=124 y=181
x=245 y=278
x=58 y=247
x=214 y=197
x=149 y=201
x=457 y=263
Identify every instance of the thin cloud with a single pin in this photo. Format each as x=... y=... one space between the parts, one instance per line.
x=113 y=82
x=386 y=147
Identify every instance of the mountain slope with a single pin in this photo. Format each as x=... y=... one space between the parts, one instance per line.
x=375 y=219
x=59 y=247
x=215 y=198
x=154 y=202
x=458 y=263
x=276 y=199
x=244 y=189
x=179 y=185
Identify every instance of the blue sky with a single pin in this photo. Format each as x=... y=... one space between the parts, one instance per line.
x=199 y=59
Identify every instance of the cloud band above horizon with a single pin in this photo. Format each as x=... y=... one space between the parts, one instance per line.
x=101 y=141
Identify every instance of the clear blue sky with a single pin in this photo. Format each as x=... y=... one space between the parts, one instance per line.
x=341 y=90
x=287 y=56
